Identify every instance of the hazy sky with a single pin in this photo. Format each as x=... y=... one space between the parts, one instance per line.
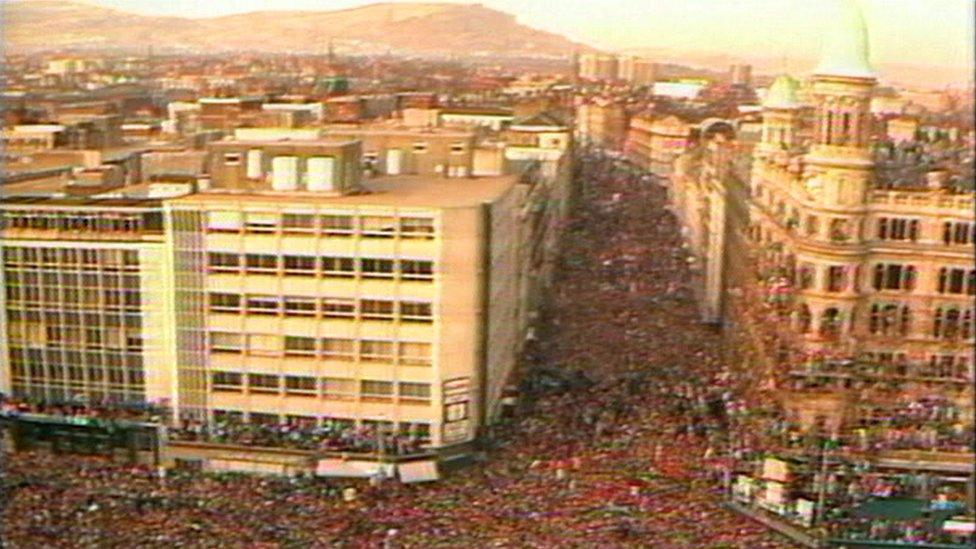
x=934 y=32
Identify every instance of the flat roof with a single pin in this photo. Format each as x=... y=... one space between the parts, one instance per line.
x=412 y=191
x=307 y=143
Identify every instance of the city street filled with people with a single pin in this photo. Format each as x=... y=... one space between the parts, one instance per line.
x=620 y=439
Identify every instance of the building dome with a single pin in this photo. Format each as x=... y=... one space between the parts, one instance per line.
x=782 y=94
x=845 y=50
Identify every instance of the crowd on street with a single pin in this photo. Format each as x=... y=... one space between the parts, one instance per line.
x=630 y=450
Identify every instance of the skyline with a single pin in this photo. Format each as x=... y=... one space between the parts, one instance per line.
x=793 y=28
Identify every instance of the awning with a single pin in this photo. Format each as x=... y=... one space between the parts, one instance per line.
x=901 y=509
x=418 y=471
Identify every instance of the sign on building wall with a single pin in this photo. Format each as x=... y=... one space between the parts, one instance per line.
x=457 y=410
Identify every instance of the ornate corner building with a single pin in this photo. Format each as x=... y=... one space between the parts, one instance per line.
x=842 y=264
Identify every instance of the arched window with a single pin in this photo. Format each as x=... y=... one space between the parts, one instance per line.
x=830 y=322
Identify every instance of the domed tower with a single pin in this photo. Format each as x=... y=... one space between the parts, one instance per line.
x=840 y=157
x=837 y=175
x=781 y=115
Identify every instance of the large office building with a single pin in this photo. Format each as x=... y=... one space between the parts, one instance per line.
x=306 y=294
x=86 y=313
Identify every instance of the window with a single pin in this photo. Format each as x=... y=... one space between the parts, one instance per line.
x=420 y=147
x=376 y=309
x=232 y=159
x=957 y=281
x=416 y=311
x=334 y=307
x=337 y=225
x=370 y=388
x=223 y=342
x=224 y=263
x=374 y=226
x=415 y=269
x=257 y=222
x=896 y=228
x=298 y=223
x=813 y=225
x=836 y=278
x=301 y=385
x=299 y=306
x=224 y=303
x=416 y=227
x=227 y=381
x=419 y=391
x=338 y=349
x=338 y=266
x=458 y=148
x=894 y=277
x=299 y=265
x=265 y=344
x=224 y=222
x=414 y=353
x=377 y=268
x=889 y=320
x=951 y=323
x=958 y=232
x=261 y=263
x=299 y=346
x=333 y=387
x=263 y=383
x=376 y=351
x=263 y=305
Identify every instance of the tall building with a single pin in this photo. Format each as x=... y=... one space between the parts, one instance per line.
x=85 y=316
x=636 y=71
x=307 y=295
x=601 y=122
x=740 y=74
x=598 y=66
x=865 y=261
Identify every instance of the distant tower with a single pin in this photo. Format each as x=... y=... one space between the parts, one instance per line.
x=331 y=56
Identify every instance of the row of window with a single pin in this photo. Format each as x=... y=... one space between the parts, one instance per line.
x=85 y=258
x=62 y=317
x=326 y=387
x=411 y=353
x=365 y=226
x=39 y=373
x=83 y=221
x=950 y=323
x=53 y=336
x=73 y=298
x=889 y=276
x=71 y=279
x=898 y=228
x=886 y=228
x=332 y=267
x=325 y=307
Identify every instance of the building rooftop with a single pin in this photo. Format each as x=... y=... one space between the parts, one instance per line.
x=415 y=191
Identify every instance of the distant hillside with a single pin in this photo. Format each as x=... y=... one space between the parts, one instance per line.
x=415 y=27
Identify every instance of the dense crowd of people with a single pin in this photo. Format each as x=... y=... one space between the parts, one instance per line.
x=627 y=449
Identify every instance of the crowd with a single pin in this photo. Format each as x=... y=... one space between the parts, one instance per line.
x=631 y=451
x=328 y=437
